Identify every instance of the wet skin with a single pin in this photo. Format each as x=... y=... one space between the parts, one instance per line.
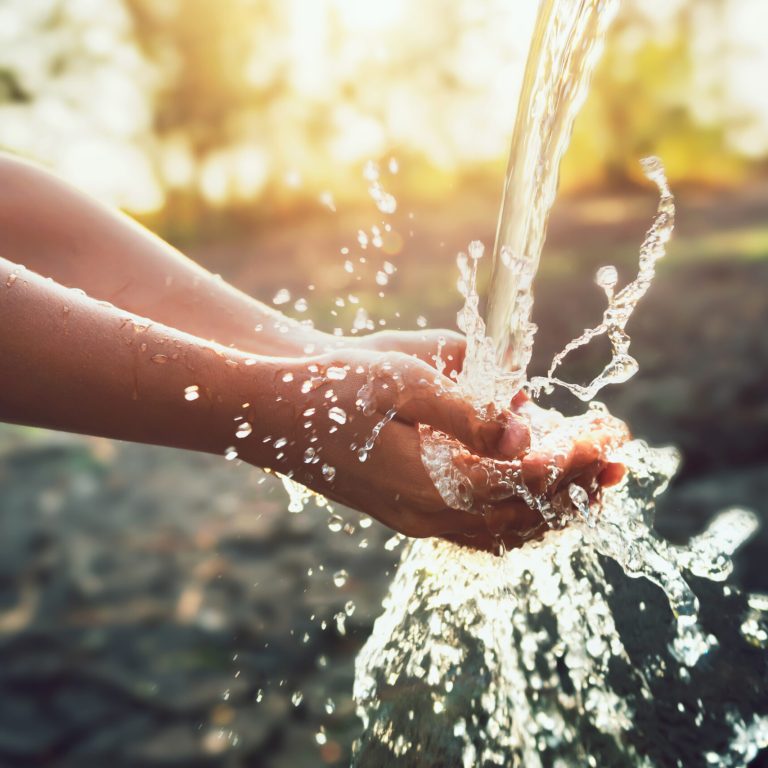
x=117 y=361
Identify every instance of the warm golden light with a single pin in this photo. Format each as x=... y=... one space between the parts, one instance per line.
x=293 y=97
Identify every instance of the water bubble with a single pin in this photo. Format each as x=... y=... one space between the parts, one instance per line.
x=243 y=430
x=301 y=305
x=381 y=278
x=283 y=296
x=349 y=607
x=421 y=321
x=340 y=578
x=192 y=392
x=338 y=415
x=335 y=524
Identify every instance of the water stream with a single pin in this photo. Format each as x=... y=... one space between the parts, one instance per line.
x=601 y=644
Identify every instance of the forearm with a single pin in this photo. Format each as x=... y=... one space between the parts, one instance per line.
x=61 y=233
x=71 y=363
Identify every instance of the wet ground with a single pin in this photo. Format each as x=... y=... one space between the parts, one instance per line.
x=159 y=608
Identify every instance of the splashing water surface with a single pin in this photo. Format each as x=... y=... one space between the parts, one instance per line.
x=558 y=654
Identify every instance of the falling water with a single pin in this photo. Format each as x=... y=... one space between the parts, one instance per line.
x=601 y=644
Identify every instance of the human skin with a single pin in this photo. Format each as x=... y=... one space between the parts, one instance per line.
x=75 y=363
x=57 y=231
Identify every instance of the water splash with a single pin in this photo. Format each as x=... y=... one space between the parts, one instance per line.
x=532 y=659
x=621 y=305
x=546 y=656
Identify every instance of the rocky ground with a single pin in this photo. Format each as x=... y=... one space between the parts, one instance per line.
x=159 y=608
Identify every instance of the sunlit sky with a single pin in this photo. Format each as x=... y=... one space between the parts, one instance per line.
x=430 y=79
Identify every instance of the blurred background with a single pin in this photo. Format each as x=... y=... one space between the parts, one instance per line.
x=159 y=608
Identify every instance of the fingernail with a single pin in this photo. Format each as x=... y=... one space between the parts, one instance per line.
x=516 y=438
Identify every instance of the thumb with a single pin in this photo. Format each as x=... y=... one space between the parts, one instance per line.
x=425 y=397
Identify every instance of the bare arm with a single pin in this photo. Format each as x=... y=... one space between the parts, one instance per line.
x=59 y=232
x=72 y=363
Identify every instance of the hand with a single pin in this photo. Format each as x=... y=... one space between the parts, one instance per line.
x=421 y=344
x=564 y=451
x=319 y=429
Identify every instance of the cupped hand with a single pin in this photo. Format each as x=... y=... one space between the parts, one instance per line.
x=346 y=426
x=564 y=451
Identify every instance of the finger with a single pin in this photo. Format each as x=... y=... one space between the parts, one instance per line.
x=611 y=474
x=419 y=395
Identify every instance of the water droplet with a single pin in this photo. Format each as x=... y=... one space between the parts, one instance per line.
x=287 y=377
x=349 y=607
x=330 y=706
x=12 y=278
x=335 y=373
x=607 y=277
x=301 y=305
x=421 y=321
x=296 y=698
x=283 y=296
x=381 y=278
x=389 y=267
x=393 y=542
x=349 y=266
x=338 y=415
x=230 y=454
x=281 y=442
x=243 y=430
x=309 y=455
x=329 y=472
x=326 y=199
x=192 y=392
x=159 y=359
x=335 y=523
x=366 y=522
x=362 y=238
x=340 y=578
